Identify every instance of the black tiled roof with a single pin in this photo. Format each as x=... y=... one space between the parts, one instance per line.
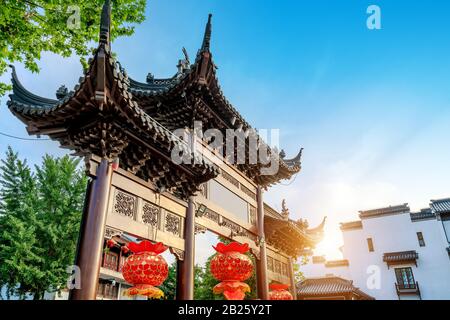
x=351 y=225
x=337 y=263
x=403 y=208
x=440 y=206
x=400 y=256
x=328 y=286
x=423 y=214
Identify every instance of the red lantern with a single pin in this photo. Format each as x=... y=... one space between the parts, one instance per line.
x=279 y=292
x=111 y=243
x=231 y=266
x=145 y=269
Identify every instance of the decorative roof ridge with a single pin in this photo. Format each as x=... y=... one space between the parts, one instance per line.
x=207 y=35
x=440 y=200
x=356 y=224
x=25 y=95
x=296 y=161
x=397 y=209
x=337 y=263
x=105 y=24
x=423 y=214
x=440 y=206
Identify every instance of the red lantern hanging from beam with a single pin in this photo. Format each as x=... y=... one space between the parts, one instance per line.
x=231 y=266
x=145 y=269
x=279 y=292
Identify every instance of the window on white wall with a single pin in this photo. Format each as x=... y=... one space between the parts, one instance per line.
x=370 y=245
x=405 y=278
x=420 y=239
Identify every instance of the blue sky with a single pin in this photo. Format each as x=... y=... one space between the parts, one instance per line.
x=370 y=107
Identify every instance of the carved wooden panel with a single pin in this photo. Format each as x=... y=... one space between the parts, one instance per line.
x=277 y=266
x=125 y=204
x=248 y=234
x=252 y=214
x=231 y=225
x=248 y=192
x=204 y=189
x=270 y=263
x=200 y=229
x=179 y=254
x=150 y=214
x=230 y=179
x=111 y=232
x=212 y=215
x=284 y=269
x=173 y=224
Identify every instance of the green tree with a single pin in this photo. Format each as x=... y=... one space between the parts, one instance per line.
x=169 y=287
x=20 y=256
x=64 y=27
x=298 y=274
x=39 y=217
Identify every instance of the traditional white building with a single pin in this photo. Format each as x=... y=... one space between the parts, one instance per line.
x=393 y=253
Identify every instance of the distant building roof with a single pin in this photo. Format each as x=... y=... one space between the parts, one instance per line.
x=318 y=259
x=399 y=209
x=337 y=263
x=440 y=206
x=394 y=258
x=326 y=287
x=424 y=214
x=352 y=225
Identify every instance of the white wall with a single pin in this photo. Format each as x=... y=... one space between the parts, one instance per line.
x=398 y=233
x=392 y=233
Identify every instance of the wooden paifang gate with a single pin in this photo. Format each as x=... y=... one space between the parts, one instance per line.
x=109 y=117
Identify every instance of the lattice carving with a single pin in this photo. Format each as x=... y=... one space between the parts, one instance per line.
x=248 y=192
x=230 y=179
x=125 y=204
x=270 y=263
x=173 y=224
x=150 y=214
x=178 y=253
x=110 y=232
x=252 y=214
x=204 y=189
x=284 y=269
x=277 y=266
x=199 y=229
x=231 y=225
x=212 y=215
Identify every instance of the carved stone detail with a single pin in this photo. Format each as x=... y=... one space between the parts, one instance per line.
x=252 y=214
x=200 y=229
x=178 y=253
x=125 y=204
x=173 y=224
x=212 y=215
x=270 y=263
x=204 y=189
x=277 y=266
x=111 y=232
x=150 y=214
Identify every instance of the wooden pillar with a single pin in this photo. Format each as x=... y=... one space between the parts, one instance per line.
x=292 y=277
x=90 y=246
x=261 y=264
x=185 y=268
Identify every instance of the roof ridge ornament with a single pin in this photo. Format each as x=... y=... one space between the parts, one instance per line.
x=207 y=36
x=105 y=24
x=62 y=92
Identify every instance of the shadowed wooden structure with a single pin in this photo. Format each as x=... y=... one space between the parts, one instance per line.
x=109 y=117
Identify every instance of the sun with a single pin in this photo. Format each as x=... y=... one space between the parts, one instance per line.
x=330 y=245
